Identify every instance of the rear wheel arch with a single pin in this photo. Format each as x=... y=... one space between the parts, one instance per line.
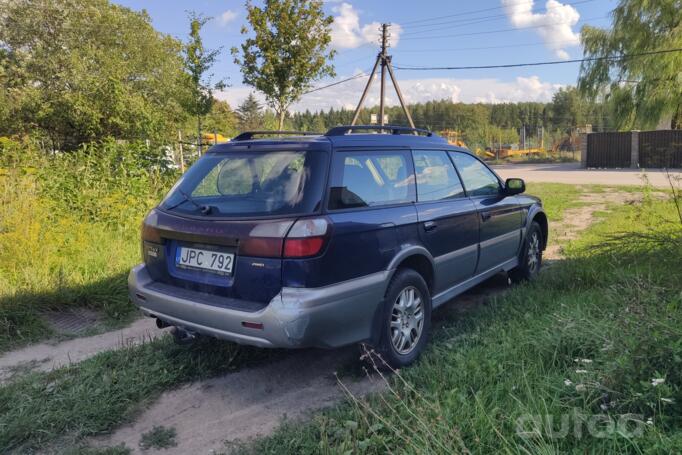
x=541 y=219
x=420 y=264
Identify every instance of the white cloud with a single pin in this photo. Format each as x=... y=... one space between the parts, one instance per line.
x=226 y=17
x=347 y=33
x=346 y=95
x=555 y=26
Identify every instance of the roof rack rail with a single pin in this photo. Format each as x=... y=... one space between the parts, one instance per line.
x=247 y=135
x=394 y=129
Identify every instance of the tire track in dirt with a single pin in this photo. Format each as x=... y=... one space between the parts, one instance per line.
x=249 y=403
x=48 y=356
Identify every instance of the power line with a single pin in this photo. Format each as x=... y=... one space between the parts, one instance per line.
x=553 y=62
x=466 y=13
x=511 y=65
x=505 y=46
x=342 y=81
x=487 y=32
x=476 y=20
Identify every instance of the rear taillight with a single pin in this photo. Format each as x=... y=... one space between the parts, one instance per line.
x=150 y=234
x=306 y=238
x=300 y=248
x=265 y=240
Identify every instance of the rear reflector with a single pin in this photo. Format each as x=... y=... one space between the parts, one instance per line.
x=299 y=248
x=252 y=325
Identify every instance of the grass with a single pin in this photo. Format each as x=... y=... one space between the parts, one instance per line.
x=557 y=197
x=587 y=359
x=158 y=437
x=94 y=396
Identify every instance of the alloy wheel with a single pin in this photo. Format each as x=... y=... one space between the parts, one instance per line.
x=533 y=252
x=407 y=320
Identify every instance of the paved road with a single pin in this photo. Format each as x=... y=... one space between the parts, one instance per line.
x=574 y=174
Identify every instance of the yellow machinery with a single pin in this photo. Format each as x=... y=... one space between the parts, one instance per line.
x=502 y=153
x=211 y=138
x=453 y=137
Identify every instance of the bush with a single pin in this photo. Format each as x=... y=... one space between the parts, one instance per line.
x=69 y=229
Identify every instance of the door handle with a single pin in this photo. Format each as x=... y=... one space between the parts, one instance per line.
x=430 y=225
x=485 y=216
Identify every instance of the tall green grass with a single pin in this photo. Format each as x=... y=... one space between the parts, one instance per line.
x=596 y=341
x=69 y=230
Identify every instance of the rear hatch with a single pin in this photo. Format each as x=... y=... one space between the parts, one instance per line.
x=221 y=229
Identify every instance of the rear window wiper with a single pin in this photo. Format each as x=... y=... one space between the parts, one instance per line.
x=204 y=209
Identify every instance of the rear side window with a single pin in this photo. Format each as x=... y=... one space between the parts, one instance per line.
x=436 y=176
x=478 y=179
x=370 y=179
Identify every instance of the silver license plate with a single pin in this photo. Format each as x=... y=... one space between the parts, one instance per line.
x=195 y=258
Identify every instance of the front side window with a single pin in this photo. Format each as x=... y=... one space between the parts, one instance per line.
x=250 y=184
x=436 y=177
x=478 y=179
x=369 y=179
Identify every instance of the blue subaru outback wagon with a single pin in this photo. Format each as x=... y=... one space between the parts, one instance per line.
x=327 y=240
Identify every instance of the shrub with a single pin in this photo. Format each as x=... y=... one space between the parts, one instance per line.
x=69 y=228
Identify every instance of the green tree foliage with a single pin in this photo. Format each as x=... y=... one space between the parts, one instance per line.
x=288 y=51
x=221 y=119
x=642 y=90
x=570 y=108
x=198 y=62
x=250 y=114
x=81 y=70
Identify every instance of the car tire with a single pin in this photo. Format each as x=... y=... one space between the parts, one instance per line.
x=530 y=259
x=405 y=320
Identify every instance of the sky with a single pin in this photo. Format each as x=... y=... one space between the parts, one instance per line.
x=424 y=33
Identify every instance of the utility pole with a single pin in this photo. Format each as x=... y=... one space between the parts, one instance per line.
x=384 y=60
x=384 y=38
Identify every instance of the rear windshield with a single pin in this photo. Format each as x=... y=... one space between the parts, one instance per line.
x=241 y=184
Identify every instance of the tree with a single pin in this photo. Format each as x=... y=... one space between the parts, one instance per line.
x=568 y=109
x=82 y=70
x=221 y=119
x=198 y=62
x=250 y=114
x=289 y=50
x=642 y=90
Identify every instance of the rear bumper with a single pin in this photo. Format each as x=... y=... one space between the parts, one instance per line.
x=328 y=317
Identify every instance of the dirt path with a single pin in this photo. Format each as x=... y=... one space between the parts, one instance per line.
x=247 y=403
x=578 y=219
x=46 y=356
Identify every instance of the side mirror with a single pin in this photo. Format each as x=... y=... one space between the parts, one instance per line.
x=514 y=186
